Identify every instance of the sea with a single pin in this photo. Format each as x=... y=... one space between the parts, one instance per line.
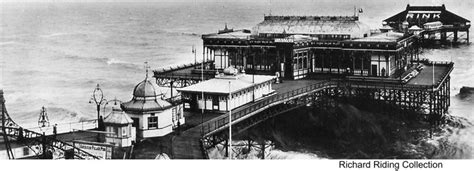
x=53 y=54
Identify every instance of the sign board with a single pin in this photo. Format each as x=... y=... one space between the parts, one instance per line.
x=101 y=150
x=283 y=40
x=424 y=15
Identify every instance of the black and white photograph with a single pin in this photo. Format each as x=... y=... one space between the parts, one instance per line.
x=358 y=84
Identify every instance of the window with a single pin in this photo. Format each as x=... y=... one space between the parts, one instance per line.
x=186 y=96
x=300 y=63
x=173 y=114
x=116 y=131
x=153 y=122
x=26 y=151
x=222 y=98
x=305 y=63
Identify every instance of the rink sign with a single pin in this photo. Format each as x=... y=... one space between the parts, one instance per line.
x=101 y=150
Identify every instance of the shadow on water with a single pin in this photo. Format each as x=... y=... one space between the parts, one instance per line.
x=360 y=129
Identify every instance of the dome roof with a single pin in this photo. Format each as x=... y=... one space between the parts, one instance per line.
x=230 y=71
x=147 y=97
x=146 y=88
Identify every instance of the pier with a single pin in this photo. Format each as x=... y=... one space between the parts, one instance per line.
x=414 y=95
x=283 y=63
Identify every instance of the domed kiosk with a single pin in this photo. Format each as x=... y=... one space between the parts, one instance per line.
x=152 y=116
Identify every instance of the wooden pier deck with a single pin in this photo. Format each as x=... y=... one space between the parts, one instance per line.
x=430 y=72
x=188 y=145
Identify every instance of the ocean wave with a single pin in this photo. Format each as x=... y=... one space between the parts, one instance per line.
x=107 y=61
x=59 y=34
x=175 y=33
x=278 y=154
x=56 y=115
x=8 y=43
x=111 y=61
x=241 y=151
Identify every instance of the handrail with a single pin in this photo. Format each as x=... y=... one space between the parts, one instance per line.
x=222 y=122
x=182 y=75
x=171 y=69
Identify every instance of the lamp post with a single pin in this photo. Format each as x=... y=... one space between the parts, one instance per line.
x=98 y=98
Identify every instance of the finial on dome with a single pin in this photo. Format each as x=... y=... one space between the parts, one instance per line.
x=146 y=70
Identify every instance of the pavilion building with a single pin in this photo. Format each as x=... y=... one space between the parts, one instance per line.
x=435 y=22
x=227 y=91
x=295 y=47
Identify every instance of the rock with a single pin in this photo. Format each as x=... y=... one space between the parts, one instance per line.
x=466 y=92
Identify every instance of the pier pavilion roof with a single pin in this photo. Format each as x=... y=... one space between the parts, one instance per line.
x=220 y=84
x=424 y=14
x=233 y=34
x=307 y=25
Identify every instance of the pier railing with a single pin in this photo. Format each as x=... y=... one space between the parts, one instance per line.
x=244 y=112
x=67 y=127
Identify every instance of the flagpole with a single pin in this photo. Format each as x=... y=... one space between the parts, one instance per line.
x=202 y=93
x=230 y=126
x=195 y=60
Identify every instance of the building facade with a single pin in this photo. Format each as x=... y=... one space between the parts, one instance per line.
x=296 y=47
